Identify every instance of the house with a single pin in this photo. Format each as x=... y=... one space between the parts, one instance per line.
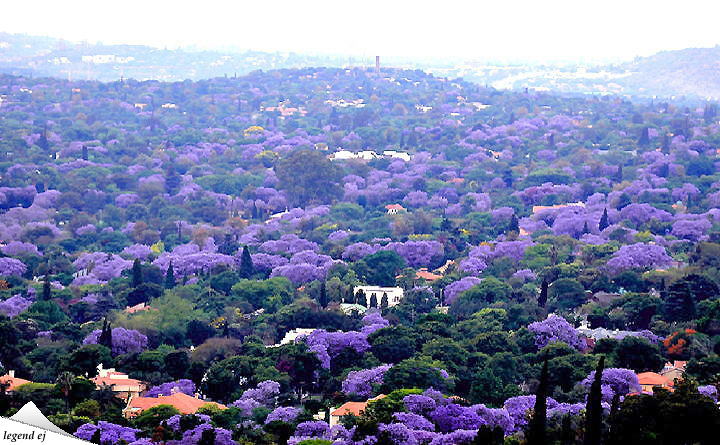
x=121 y=384
x=650 y=380
x=182 y=402
x=424 y=274
x=674 y=370
x=12 y=381
x=397 y=155
x=394 y=209
x=537 y=209
x=349 y=308
x=350 y=408
x=140 y=307
x=394 y=294
x=292 y=336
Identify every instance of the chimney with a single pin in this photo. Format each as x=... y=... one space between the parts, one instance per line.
x=11 y=373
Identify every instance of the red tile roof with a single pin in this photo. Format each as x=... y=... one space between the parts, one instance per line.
x=13 y=381
x=652 y=378
x=354 y=408
x=184 y=403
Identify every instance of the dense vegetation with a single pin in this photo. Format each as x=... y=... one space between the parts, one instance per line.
x=216 y=204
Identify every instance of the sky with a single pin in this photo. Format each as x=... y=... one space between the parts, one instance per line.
x=550 y=30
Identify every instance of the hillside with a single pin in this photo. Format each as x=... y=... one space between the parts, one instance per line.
x=691 y=72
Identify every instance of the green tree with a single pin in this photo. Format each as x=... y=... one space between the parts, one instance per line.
x=537 y=434
x=393 y=344
x=593 y=409
x=136 y=273
x=170 y=277
x=246 y=264
x=307 y=176
x=380 y=268
x=566 y=294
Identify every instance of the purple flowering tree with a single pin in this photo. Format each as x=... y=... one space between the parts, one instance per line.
x=638 y=256
x=361 y=382
x=555 y=329
x=184 y=386
x=453 y=290
x=109 y=432
x=620 y=381
x=12 y=267
x=124 y=341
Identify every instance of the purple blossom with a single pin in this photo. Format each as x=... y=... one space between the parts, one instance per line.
x=710 y=391
x=179 y=386
x=555 y=329
x=267 y=262
x=638 y=256
x=193 y=436
x=14 y=306
x=124 y=341
x=283 y=414
x=18 y=248
x=453 y=290
x=620 y=381
x=361 y=382
x=264 y=394
x=139 y=251
x=110 y=433
x=12 y=267
x=519 y=409
x=414 y=421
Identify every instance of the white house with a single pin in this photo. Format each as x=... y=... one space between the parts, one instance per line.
x=394 y=294
x=292 y=336
x=397 y=155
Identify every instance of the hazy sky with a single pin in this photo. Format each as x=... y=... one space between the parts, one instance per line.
x=509 y=29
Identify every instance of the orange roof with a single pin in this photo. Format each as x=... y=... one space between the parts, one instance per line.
x=138 y=308
x=652 y=378
x=116 y=381
x=425 y=275
x=184 y=403
x=354 y=408
x=394 y=207
x=13 y=381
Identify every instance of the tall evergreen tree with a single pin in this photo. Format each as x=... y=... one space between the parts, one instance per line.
x=47 y=289
x=373 y=300
x=604 y=222
x=644 y=137
x=384 y=302
x=586 y=229
x=170 y=277
x=542 y=299
x=105 y=338
x=246 y=264
x=136 y=273
x=593 y=409
x=323 y=297
x=537 y=434
x=567 y=435
x=360 y=298
x=207 y=437
x=84 y=152
x=514 y=225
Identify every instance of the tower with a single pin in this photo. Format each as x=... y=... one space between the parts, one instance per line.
x=377 y=64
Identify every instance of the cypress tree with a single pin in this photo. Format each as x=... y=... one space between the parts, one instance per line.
x=136 y=273
x=170 y=277
x=586 y=229
x=207 y=437
x=593 y=409
x=84 y=153
x=246 y=264
x=323 y=298
x=644 y=137
x=604 y=222
x=360 y=298
x=46 y=290
x=567 y=435
x=538 y=425
x=373 y=300
x=105 y=338
x=514 y=225
x=542 y=299
x=384 y=301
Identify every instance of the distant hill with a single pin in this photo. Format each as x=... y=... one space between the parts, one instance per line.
x=689 y=72
x=45 y=56
x=693 y=73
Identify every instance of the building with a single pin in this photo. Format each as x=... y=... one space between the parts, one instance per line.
x=537 y=209
x=350 y=408
x=12 y=382
x=182 y=402
x=121 y=384
x=392 y=154
x=394 y=294
x=394 y=209
x=292 y=336
x=650 y=380
x=674 y=370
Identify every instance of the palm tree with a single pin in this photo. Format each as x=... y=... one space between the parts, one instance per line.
x=65 y=382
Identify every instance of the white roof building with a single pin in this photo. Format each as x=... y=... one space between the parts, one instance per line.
x=394 y=294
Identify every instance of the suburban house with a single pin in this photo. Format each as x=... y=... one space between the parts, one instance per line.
x=674 y=370
x=650 y=380
x=350 y=408
x=424 y=274
x=182 y=402
x=394 y=294
x=121 y=384
x=292 y=336
x=12 y=381
x=394 y=209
